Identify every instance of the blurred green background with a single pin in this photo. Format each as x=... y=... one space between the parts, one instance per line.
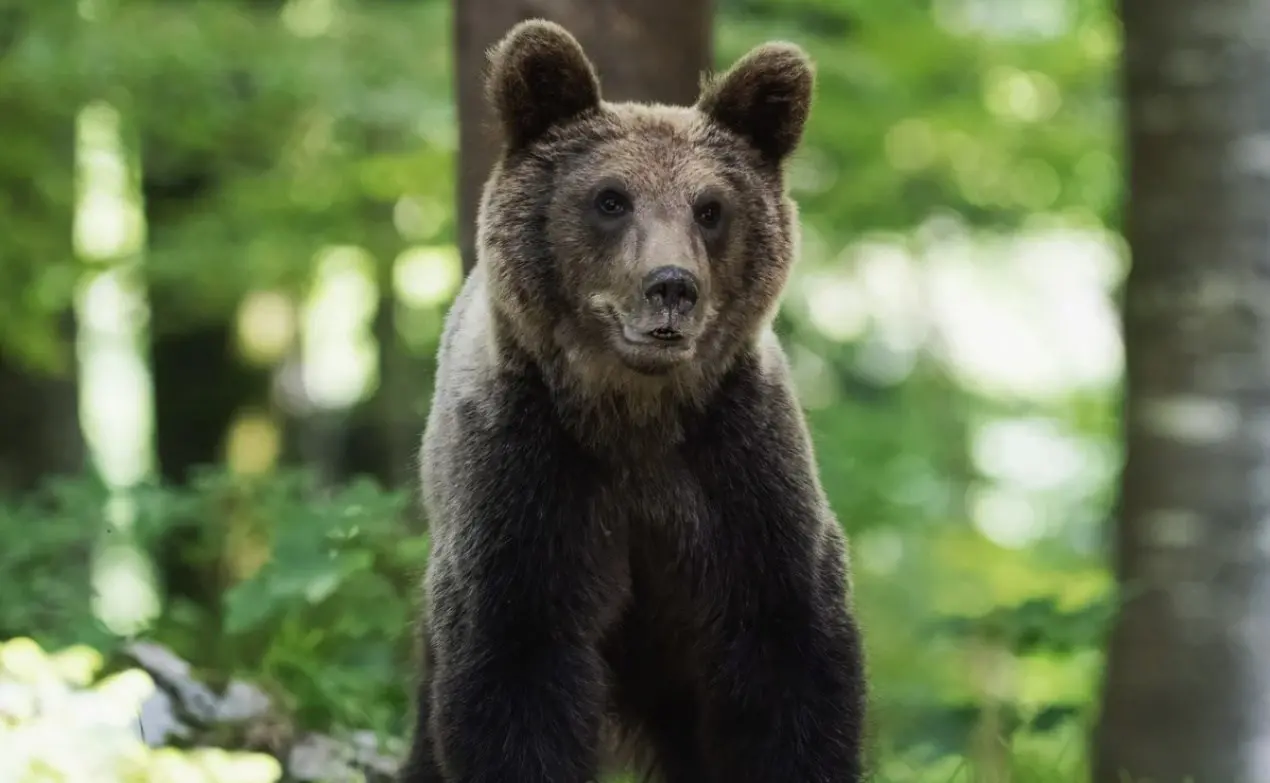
x=228 y=240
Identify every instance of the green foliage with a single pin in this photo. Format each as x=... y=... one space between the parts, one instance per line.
x=46 y=547
x=304 y=135
x=939 y=132
x=317 y=603
x=1036 y=625
x=925 y=107
x=319 y=599
x=320 y=596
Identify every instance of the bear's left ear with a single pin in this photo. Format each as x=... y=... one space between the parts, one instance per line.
x=765 y=98
x=538 y=77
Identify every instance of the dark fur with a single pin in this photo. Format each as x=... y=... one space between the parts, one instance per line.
x=631 y=543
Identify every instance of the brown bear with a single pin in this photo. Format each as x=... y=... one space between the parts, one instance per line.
x=630 y=540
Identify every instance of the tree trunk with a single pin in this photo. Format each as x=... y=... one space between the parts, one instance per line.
x=653 y=50
x=199 y=388
x=40 y=433
x=1187 y=688
x=200 y=383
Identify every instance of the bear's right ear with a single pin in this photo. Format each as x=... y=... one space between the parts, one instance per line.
x=539 y=76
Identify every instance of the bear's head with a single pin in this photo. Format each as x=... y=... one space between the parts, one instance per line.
x=630 y=244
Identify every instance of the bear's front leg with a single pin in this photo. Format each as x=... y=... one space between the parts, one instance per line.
x=521 y=582
x=783 y=666
x=786 y=700
x=518 y=707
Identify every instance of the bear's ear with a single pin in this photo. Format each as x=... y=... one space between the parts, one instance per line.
x=765 y=98
x=538 y=77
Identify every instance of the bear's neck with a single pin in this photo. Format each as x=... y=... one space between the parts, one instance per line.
x=599 y=399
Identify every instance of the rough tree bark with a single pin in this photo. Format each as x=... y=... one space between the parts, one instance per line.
x=653 y=50
x=1187 y=688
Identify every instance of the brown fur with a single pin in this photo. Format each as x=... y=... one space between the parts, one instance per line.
x=622 y=526
x=666 y=157
x=536 y=80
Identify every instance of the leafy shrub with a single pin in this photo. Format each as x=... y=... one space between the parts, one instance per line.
x=317 y=594
x=46 y=547
x=308 y=591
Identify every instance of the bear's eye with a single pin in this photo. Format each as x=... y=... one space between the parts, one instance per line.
x=610 y=203
x=709 y=214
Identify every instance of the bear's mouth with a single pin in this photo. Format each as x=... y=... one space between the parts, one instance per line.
x=666 y=335
x=648 y=340
x=650 y=355
x=649 y=343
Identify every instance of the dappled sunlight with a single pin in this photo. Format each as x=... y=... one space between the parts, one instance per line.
x=1025 y=318
x=60 y=720
x=970 y=588
x=1013 y=19
x=266 y=326
x=337 y=343
x=1044 y=679
x=1028 y=315
x=1008 y=517
x=1018 y=95
x=416 y=217
x=810 y=171
x=116 y=396
x=108 y=224
x=309 y=18
x=427 y=276
x=116 y=403
x=254 y=444
x=124 y=589
x=836 y=306
x=1035 y=454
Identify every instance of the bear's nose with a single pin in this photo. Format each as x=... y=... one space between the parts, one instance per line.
x=671 y=287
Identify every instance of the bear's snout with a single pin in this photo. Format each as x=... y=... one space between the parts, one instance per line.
x=671 y=288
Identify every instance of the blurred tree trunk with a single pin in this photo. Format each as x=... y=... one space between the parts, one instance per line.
x=653 y=50
x=1187 y=689
x=201 y=384
x=40 y=431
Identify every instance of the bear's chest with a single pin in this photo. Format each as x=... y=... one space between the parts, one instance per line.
x=661 y=522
